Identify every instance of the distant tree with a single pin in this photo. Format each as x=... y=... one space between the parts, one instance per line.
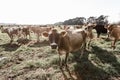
x=102 y=20
x=75 y=21
x=82 y=20
x=91 y=19
x=98 y=20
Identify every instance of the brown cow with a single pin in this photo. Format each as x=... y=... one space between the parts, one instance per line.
x=39 y=30
x=67 y=41
x=114 y=31
x=11 y=31
x=25 y=31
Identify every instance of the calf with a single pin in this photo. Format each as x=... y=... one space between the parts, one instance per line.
x=114 y=31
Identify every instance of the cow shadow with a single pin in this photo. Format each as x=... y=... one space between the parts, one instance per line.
x=85 y=69
x=10 y=47
x=108 y=57
x=39 y=44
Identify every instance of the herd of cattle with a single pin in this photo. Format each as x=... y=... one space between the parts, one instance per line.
x=67 y=38
x=23 y=31
x=74 y=33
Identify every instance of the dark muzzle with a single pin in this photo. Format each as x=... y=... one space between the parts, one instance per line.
x=53 y=45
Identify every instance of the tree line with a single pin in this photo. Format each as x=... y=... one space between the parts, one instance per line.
x=102 y=19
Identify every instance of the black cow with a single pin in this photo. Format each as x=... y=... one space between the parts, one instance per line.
x=100 y=29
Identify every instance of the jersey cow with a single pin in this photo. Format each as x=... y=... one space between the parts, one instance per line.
x=11 y=31
x=25 y=31
x=67 y=41
x=114 y=31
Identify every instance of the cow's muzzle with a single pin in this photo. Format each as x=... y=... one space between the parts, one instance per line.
x=53 y=45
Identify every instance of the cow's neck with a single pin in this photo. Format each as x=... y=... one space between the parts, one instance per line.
x=64 y=43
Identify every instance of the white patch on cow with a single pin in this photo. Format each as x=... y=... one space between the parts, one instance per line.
x=53 y=43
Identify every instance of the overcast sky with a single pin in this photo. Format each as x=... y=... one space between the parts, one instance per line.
x=51 y=11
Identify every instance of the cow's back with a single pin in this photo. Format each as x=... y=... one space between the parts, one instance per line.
x=73 y=41
x=35 y=29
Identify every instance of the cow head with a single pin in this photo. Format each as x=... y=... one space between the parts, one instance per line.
x=89 y=27
x=3 y=29
x=54 y=37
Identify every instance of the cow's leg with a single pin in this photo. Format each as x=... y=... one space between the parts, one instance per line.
x=60 y=65
x=67 y=68
x=11 y=37
x=11 y=41
x=66 y=56
x=82 y=52
x=89 y=44
x=60 y=62
x=23 y=35
x=26 y=36
x=38 y=38
x=108 y=35
x=83 y=48
x=98 y=35
x=113 y=43
x=29 y=36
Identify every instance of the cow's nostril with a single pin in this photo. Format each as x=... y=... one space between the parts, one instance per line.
x=54 y=46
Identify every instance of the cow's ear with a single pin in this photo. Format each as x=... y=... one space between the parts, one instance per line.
x=63 y=33
x=45 y=34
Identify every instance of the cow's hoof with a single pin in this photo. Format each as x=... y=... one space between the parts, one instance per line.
x=113 y=47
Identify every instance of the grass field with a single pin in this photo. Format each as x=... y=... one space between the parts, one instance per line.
x=38 y=62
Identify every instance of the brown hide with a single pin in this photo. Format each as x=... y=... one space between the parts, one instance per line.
x=39 y=30
x=71 y=41
x=114 y=31
x=26 y=32
x=67 y=41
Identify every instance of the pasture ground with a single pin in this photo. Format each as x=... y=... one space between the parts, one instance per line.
x=38 y=62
